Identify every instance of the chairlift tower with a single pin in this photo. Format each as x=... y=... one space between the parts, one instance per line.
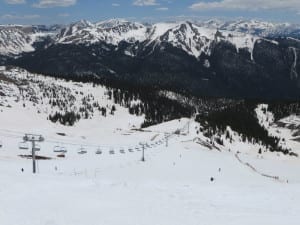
x=167 y=139
x=33 y=138
x=143 y=151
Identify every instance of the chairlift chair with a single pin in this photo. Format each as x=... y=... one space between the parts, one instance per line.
x=82 y=151
x=60 y=149
x=130 y=150
x=56 y=149
x=37 y=148
x=111 y=151
x=122 y=151
x=99 y=151
x=63 y=149
x=23 y=146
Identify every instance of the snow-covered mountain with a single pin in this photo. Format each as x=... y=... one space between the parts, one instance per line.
x=111 y=32
x=255 y=27
x=210 y=58
x=16 y=39
x=13 y=40
x=192 y=38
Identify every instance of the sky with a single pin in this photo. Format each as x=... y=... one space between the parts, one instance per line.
x=66 y=11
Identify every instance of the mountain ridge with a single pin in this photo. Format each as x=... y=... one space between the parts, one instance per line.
x=116 y=30
x=182 y=57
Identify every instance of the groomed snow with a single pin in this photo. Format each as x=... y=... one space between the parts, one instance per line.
x=171 y=187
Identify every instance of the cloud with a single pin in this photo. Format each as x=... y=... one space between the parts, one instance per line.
x=115 y=5
x=19 y=17
x=145 y=2
x=15 y=2
x=54 y=3
x=247 y=5
x=162 y=9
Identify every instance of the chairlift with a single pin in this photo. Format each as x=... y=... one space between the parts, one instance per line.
x=60 y=149
x=137 y=149
x=111 y=151
x=37 y=148
x=82 y=151
x=63 y=149
x=56 y=149
x=99 y=151
x=23 y=146
x=130 y=150
x=122 y=151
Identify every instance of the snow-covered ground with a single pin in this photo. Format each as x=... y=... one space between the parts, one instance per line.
x=285 y=129
x=173 y=186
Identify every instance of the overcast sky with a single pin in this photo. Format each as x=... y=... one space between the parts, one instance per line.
x=65 y=11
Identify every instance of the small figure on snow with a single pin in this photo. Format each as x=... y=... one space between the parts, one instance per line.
x=212 y=179
x=22 y=170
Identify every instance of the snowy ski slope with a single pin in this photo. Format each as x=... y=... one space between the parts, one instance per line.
x=172 y=187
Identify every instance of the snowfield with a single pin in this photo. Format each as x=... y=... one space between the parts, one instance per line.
x=172 y=187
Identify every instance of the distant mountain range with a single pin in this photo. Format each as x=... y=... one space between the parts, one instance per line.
x=242 y=59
